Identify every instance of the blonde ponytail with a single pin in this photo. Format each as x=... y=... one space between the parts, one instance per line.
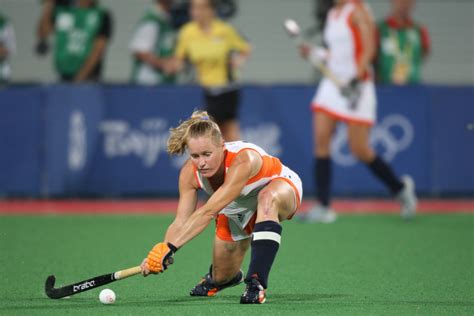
x=199 y=124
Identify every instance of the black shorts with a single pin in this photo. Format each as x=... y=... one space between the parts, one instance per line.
x=224 y=106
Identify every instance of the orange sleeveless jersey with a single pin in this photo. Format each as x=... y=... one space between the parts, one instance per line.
x=271 y=167
x=236 y=220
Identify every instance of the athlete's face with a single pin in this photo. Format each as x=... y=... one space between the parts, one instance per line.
x=84 y=3
x=403 y=7
x=206 y=155
x=201 y=11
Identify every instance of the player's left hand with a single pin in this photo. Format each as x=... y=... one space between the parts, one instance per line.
x=159 y=258
x=42 y=47
x=169 y=66
x=351 y=91
x=305 y=50
x=237 y=60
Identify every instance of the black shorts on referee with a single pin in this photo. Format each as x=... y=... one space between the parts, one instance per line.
x=223 y=106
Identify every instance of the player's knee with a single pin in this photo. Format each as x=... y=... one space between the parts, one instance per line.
x=323 y=142
x=267 y=197
x=361 y=151
x=231 y=247
x=267 y=203
x=322 y=152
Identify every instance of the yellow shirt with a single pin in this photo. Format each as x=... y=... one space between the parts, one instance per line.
x=210 y=52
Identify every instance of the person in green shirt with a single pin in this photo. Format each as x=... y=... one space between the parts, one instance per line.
x=7 y=48
x=152 y=45
x=402 y=46
x=82 y=32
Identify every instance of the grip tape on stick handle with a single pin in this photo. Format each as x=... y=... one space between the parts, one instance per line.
x=122 y=274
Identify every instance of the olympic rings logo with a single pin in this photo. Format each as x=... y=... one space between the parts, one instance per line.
x=393 y=135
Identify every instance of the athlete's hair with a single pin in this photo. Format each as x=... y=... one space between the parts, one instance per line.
x=199 y=124
x=213 y=4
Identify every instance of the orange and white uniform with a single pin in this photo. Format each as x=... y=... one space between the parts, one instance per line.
x=236 y=220
x=344 y=50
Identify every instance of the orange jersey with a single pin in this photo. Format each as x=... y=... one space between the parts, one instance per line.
x=235 y=221
x=271 y=167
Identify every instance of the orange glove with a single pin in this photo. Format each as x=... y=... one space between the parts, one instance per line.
x=160 y=257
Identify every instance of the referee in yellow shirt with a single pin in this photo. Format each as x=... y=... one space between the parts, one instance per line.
x=216 y=50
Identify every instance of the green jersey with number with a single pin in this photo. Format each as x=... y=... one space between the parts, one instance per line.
x=163 y=46
x=76 y=30
x=4 y=65
x=401 y=50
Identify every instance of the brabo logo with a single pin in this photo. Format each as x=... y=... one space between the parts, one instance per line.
x=83 y=286
x=393 y=135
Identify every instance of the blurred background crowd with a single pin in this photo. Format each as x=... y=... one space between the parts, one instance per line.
x=122 y=41
x=155 y=61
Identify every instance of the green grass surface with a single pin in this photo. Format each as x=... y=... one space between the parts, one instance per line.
x=361 y=265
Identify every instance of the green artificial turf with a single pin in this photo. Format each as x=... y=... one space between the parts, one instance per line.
x=360 y=265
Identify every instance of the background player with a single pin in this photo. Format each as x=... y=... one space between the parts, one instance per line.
x=82 y=31
x=403 y=45
x=7 y=48
x=349 y=33
x=250 y=192
x=152 y=45
x=216 y=50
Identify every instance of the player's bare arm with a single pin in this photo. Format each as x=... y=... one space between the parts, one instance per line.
x=153 y=60
x=3 y=51
x=362 y=19
x=186 y=206
x=246 y=165
x=45 y=25
x=174 y=65
x=187 y=200
x=95 y=56
x=240 y=58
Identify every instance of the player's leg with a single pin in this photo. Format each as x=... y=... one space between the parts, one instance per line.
x=324 y=126
x=358 y=139
x=276 y=202
x=227 y=260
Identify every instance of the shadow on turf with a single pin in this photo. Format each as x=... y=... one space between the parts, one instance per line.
x=275 y=299
x=80 y=302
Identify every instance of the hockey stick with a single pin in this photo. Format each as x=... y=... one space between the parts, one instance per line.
x=88 y=284
x=294 y=31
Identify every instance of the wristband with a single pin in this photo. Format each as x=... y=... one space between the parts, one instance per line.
x=172 y=247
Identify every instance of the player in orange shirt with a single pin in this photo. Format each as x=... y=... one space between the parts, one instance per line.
x=250 y=192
